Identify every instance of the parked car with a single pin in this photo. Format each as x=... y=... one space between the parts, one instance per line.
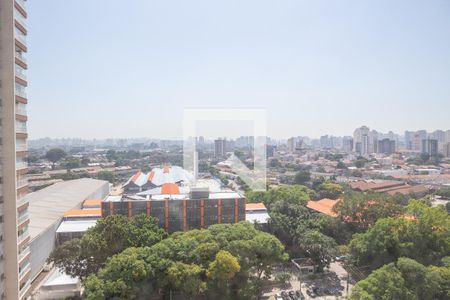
x=292 y=295
x=300 y=295
x=311 y=293
x=341 y=258
x=284 y=295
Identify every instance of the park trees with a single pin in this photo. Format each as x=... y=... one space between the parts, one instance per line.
x=111 y=235
x=329 y=190
x=364 y=209
x=406 y=279
x=423 y=236
x=302 y=177
x=319 y=247
x=228 y=258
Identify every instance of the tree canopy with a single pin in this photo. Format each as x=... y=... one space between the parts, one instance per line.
x=111 y=235
x=404 y=280
x=55 y=154
x=221 y=262
x=364 y=209
x=422 y=235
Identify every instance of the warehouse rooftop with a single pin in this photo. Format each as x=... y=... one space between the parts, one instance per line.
x=47 y=206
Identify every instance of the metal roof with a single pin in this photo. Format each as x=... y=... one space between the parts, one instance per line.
x=75 y=226
x=258 y=217
x=47 y=206
x=160 y=176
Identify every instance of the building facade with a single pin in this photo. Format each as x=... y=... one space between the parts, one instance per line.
x=430 y=146
x=447 y=150
x=183 y=212
x=386 y=146
x=14 y=237
x=219 y=147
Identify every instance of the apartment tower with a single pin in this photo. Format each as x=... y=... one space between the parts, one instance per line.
x=14 y=236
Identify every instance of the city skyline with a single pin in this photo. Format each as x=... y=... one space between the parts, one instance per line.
x=318 y=68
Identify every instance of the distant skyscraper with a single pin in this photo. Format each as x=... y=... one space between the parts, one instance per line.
x=408 y=139
x=447 y=150
x=361 y=140
x=430 y=146
x=219 y=147
x=418 y=137
x=270 y=149
x=347 y=144
x=14 y=234
x=439 y=135
x=386 y=146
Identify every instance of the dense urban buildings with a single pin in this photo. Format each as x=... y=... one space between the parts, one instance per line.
x=14 y=237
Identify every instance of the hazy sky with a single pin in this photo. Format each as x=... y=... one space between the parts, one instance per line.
x=129 y=68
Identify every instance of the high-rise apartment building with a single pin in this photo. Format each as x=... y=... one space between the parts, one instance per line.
x=447 y=150
x=219 y=147
x=417 y=139
x=347 y=144
x=386 y=146
x=430 y=146
x=14 y=236
x=361 y=140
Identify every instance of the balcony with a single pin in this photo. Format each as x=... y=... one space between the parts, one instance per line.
x=20 y=72
x=20 y=18
x=24 y=269
x=22 y=182
x=23 y=236
x=21 y=56
x=21 y=147
x=21 y=165
x=23 y=218
x=21 y=110
x=21 y=92
x=21 y=201
x=21 y=128
x=22 y=3
x=24 y=253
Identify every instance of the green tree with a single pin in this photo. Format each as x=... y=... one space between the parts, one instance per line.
x=107 y=175
x=364 y=209
x=384 y=283
x=302 y=177
x=54 y=155
x=423 y=237
x=341 y=165
x=186 y=278
x=71 y=162
x=329 y=190
x=224 y=267
x=317 y=246
x=405 y=279
x=111 y=235
x=444 y=192
x=221 y=262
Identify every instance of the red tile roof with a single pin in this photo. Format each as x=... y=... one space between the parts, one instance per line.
x=255 y=206
x=373 y=185
x=324 y=206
